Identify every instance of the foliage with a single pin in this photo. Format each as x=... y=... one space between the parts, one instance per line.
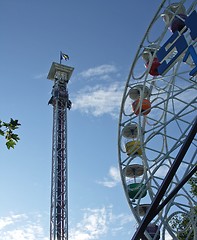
x=7 y=130
x=193 y=183
x=182 y=222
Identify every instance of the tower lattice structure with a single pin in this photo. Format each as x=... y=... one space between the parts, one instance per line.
x=60 y=74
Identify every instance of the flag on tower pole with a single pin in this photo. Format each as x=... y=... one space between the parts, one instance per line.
x=63 y=56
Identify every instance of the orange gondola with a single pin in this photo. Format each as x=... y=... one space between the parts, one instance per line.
x=144 y=108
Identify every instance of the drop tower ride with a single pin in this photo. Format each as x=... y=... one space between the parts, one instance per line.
x=60 y=75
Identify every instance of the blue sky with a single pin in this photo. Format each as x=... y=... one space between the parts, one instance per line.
x=101 y=38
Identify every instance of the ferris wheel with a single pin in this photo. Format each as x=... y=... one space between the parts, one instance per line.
x=157 y=113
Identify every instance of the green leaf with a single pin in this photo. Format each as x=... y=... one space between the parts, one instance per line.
x=10 y=144
x=4 y=124
x=15 y=137
x=1 y=132
x=14 y=124
x=7 y=131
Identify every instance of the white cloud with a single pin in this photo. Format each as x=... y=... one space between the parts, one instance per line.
x=21 y=226
x=102 y=71
x=99 y=222
x=13 y=218
x=93 y=225
x=5 y=222
x=99 y=100
x=113 y=179
x=31 y=233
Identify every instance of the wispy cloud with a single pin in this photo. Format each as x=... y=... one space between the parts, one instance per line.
x=113 y=178
x=99 y=222
x=21 y=226
x=99 y=100
x=41 y=76
x=6 y=221
x=99 y=71
x=95 y=223
x=162 y=171
x=32 y=232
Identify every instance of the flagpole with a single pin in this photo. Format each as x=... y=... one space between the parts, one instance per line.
x=60 y=57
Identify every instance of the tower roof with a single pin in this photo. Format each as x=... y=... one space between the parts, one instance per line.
x=59 y=69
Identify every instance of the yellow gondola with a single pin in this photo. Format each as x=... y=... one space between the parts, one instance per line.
x=133 y=148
